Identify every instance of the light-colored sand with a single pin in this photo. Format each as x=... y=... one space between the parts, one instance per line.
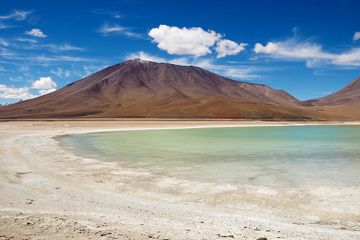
x=49 y=193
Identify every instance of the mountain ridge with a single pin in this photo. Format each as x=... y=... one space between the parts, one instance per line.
x=138 y=88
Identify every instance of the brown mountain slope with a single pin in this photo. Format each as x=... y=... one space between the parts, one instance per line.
x=349 y=95
x=139 y=88
x=343 y=104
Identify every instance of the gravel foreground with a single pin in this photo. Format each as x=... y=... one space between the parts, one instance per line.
x=49 y=193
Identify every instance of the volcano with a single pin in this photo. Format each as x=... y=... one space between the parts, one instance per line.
x=138 y=88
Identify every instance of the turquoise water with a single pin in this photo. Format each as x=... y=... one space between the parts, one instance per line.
x=270 y=156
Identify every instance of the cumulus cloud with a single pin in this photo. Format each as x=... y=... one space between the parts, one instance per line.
x=311 y=53
x=227 y=47
x=36 y=33
x=356 y=36
x=269 y=48
x=44 y=86
x=184 y=41
x=17 y=15
x=44 y=83
x=15 y=93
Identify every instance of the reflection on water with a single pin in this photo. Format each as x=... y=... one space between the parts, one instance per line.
x=271 y=156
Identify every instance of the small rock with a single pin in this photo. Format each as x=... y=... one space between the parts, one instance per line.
x=29 y=201
x=261 y=239
x=256 y=229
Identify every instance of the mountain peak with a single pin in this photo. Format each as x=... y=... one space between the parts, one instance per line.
x=138 y=60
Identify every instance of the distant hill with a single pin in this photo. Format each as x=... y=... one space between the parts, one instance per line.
x=343 y=104
x=137 y=88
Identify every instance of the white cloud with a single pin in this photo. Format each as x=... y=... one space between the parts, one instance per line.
x=3 y=42
x=107 y=29
x=238 y=72
x=41 y=59
x=227 y=47
x=60 y=72
x=59 y=59
x=269 y=48
x=181 y=61
x=3 y=26
x=311 y=53
x=15 y=93
x=36 y=33
x=64 y=47
x=16 y=79
x=17 y=15
x=185 y=41
x=2 y=69
x=293 y=49
x=147 y=57
x=44 y=87
x=26 y=40
x=350 y=58
x=241 y=73
x=144 y=56
x=44 y=83
x=44 y=91
x=356 y=36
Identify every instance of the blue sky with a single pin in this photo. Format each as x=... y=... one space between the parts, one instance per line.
x=307 y=48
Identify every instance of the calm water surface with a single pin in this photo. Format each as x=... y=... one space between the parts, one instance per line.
x=270 y=156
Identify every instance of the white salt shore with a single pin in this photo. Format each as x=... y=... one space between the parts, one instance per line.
x=47 y=192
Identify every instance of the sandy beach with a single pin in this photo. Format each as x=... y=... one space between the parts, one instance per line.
x=47 y=192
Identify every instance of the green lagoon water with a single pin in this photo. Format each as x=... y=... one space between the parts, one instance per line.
x=269 y=156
